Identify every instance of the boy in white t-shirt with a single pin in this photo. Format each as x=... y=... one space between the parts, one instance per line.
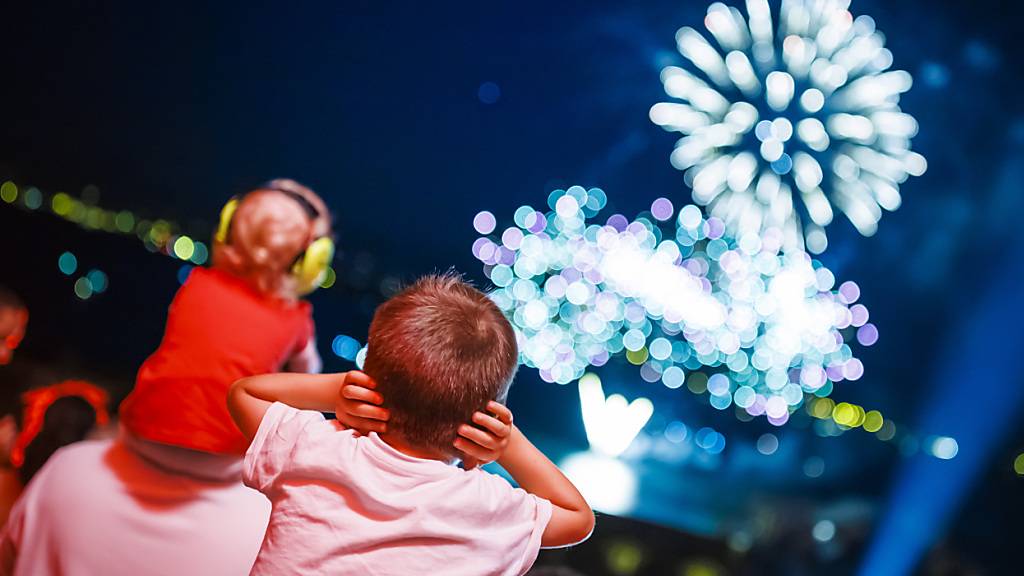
x=392 y=503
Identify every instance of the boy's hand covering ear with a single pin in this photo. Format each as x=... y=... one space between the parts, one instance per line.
x=359 y=405
x=486 y=439
x=480 y=442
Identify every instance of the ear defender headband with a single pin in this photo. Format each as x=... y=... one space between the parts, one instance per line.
x=310 y=266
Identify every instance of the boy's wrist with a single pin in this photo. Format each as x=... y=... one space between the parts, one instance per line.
x=516 y=441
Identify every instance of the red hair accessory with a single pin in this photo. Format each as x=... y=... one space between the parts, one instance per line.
x=38 y=401
x=13 y=340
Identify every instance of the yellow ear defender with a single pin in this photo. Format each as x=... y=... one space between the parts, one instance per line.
x=310 y=267
x=224 y=226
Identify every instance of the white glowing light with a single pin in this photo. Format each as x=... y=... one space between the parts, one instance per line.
x=824 y=530
x=607 y=484
x=944 y=448
x=830 y=132
x=611 y=422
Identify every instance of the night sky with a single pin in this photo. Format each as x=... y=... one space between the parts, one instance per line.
x=171 y=108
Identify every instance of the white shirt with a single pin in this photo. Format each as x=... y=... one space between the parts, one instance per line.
x=349 y=504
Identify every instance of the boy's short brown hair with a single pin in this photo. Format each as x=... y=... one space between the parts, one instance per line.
x=439 y=351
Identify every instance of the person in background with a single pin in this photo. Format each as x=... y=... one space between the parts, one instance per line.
x=391 y=503
x=35 y=424
x=165 y=497
x=38 y=423
x=13 y=320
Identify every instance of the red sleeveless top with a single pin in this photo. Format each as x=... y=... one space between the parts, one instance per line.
x=218 y=330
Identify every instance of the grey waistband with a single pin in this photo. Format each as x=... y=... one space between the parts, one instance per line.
x=178 y=460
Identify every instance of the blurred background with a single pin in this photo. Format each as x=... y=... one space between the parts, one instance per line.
x=127 y=126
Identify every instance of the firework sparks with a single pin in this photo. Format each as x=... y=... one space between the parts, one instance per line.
x=677 y=296
x=783 y=124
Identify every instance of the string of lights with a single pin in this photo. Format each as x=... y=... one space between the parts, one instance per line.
x=157 y=235
x=161 y=236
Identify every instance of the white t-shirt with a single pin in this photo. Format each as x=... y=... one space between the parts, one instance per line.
x=349 y=504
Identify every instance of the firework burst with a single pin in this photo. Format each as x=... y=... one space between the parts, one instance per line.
x=784 y=123
x=676 y=296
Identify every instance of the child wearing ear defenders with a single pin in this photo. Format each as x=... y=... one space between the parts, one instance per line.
x=241 y=317
x=166 y=497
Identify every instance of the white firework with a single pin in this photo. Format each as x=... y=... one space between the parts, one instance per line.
x=809 y=110
x=674 y=294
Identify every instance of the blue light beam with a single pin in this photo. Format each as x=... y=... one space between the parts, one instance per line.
x=975 y=402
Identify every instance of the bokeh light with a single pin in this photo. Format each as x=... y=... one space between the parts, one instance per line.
x=824 y=530
x=8 y=192
x=676 y=432
x=943 y=447
x=488 y=93
x=484 y=222
x=710 y=440
x=184 y=248
x=701 y=568
x=200 y=253
x=675 y=295
x=790 y=120
x=345 y=347
x=329 y=278
x=814 y=467
x=124 y=221
x=873 y=421
x=98 y=280
x=1018 y=464
x=184 y=272
x=83 y=288
x=67 y=263
x=33 y=198
x=767 y=444
x=624 y=558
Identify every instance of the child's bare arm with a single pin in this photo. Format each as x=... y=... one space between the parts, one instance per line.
x=249 y=398
x=307 y=360
x=353 y=399
x=572 y=520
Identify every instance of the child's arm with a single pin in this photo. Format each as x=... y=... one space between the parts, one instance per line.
x=572 y=520
x=307 y=360
x=351 y=396
x=249 y=398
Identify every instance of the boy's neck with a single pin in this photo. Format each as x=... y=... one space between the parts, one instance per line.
x=398 y=442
